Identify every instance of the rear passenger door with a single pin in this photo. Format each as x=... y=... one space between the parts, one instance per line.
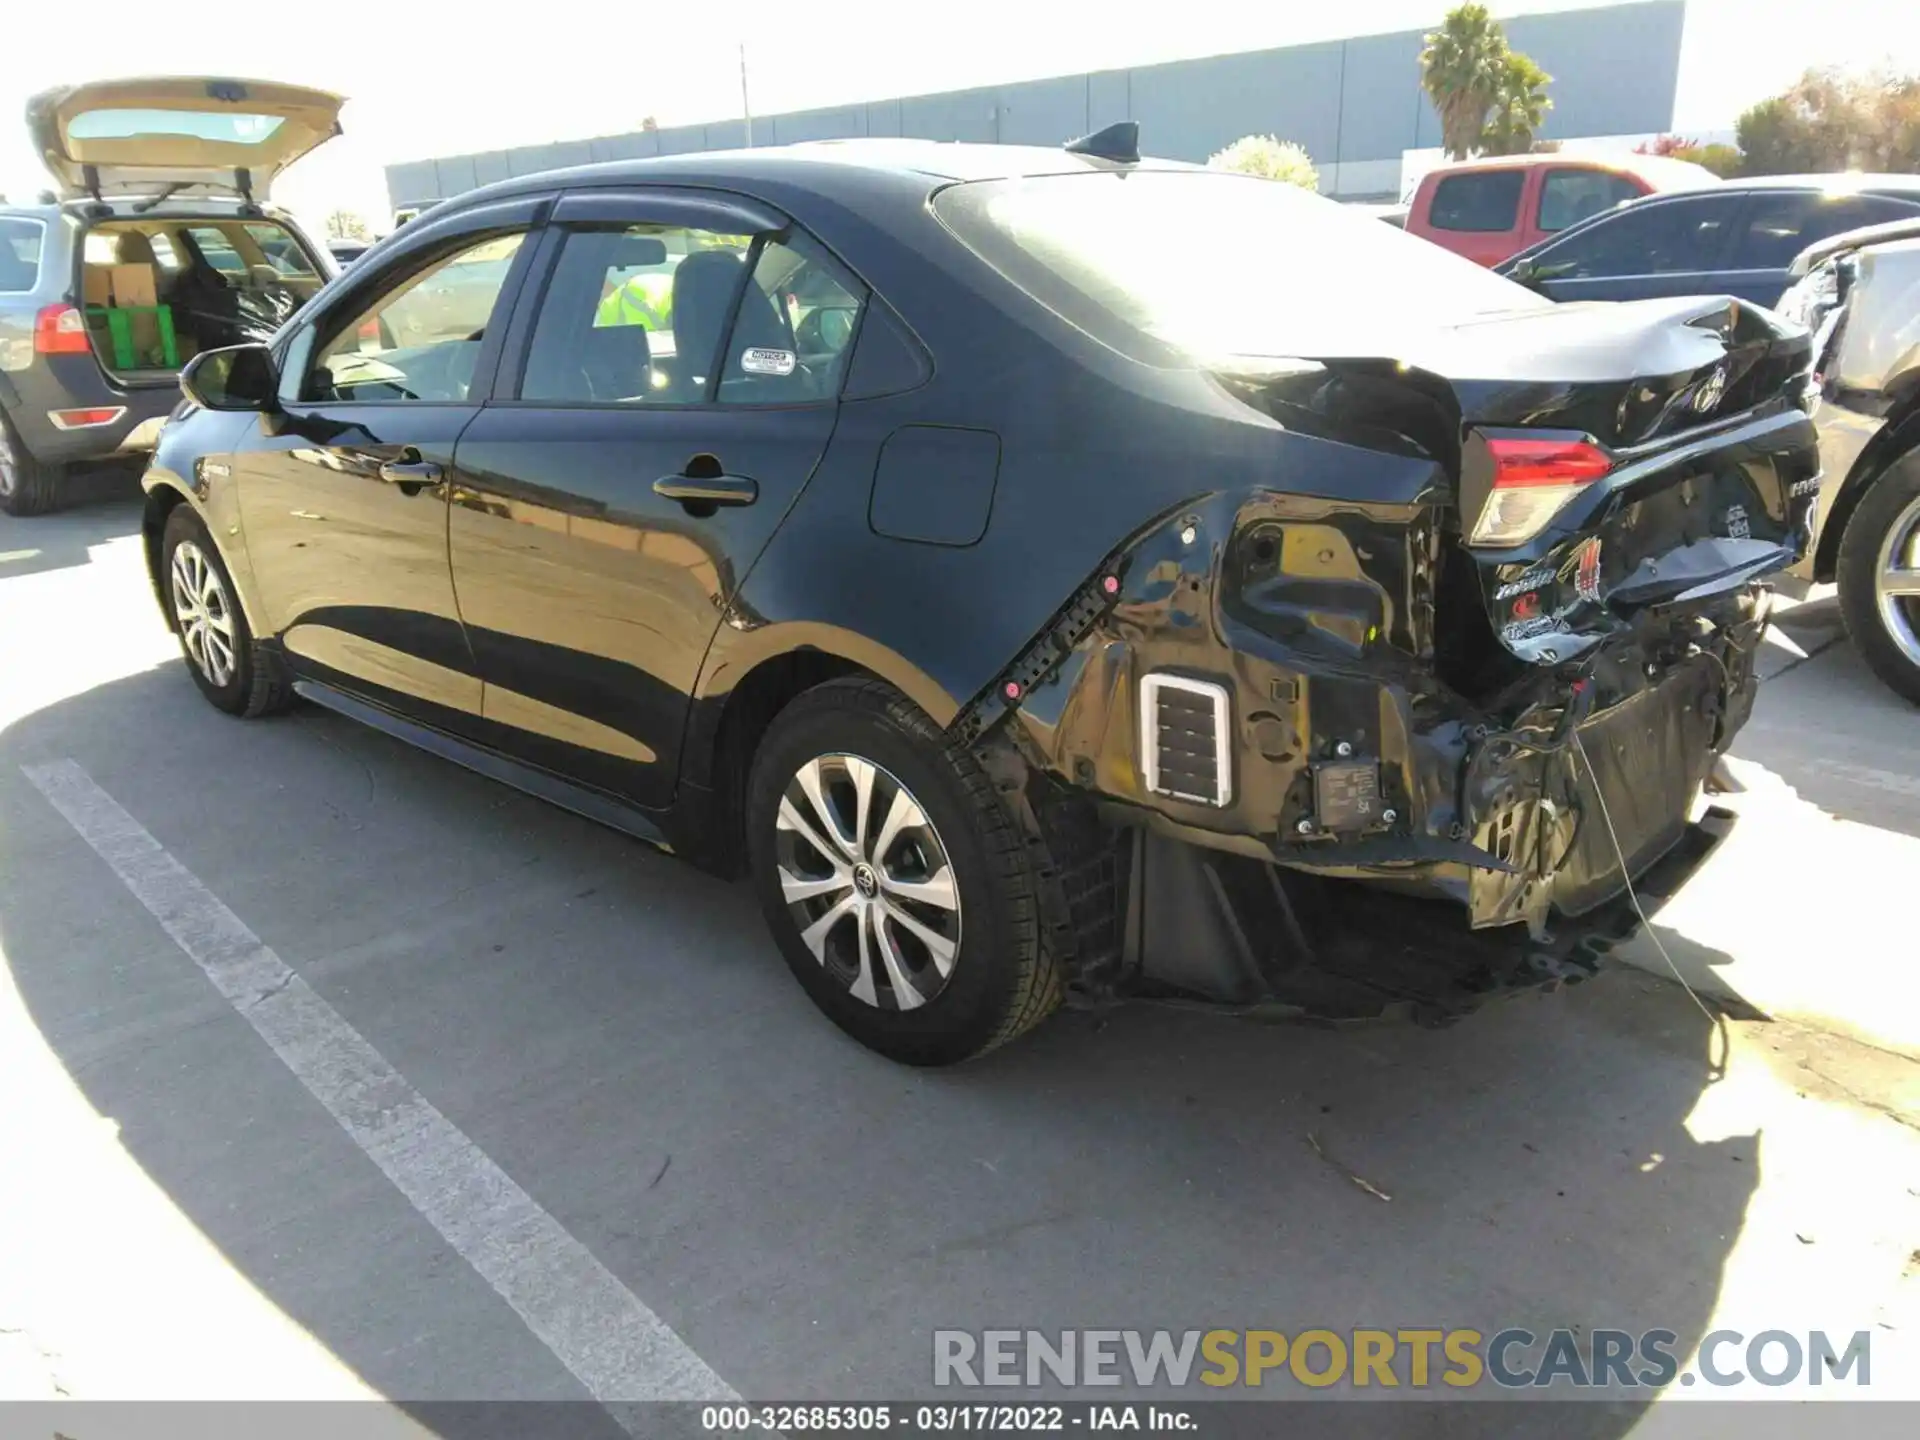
x=1779 y=224
x=672 y=378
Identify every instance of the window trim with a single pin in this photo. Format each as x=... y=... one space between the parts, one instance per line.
x=721 y=211
x=351 y=291
x=356 y=302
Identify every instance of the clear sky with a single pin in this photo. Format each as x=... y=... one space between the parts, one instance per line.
x=428 y=78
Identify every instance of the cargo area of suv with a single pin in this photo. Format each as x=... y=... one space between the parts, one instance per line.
x=159 y=291
x=161 y=242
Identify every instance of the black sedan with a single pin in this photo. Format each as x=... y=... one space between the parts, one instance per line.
x=1050 y=575
x=1734 y=239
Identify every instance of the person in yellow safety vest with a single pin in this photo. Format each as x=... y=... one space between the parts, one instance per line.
x=642 y=300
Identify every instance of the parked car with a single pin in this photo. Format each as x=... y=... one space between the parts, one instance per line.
x=1860 y=295
x=159 y=243
x=1738 y=239
x=345 y=251
x=1329 y=628
x=1490 y=209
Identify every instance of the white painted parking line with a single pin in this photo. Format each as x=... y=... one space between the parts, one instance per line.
x=618 y=1348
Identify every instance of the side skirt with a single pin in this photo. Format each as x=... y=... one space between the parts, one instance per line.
x=542 y=784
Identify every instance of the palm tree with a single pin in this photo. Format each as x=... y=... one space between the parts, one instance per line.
x=1520 y=106
x=1461 y=70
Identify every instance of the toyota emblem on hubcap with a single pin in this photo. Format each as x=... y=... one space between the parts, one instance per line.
x=866 y=881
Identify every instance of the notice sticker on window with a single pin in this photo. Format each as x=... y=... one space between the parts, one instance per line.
x=759 y=360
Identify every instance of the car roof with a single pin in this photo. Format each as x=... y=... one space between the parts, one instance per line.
x=818 y=164
x=1656 y=169
x=1845 y=182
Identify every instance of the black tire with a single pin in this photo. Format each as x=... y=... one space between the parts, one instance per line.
x=1893 y=494
x=254 y=683
x=27 y=486
x=1002 y=981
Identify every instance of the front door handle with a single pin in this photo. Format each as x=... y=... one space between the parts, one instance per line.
x=410 y=474
x=708 y=489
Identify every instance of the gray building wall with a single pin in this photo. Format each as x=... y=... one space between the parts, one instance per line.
x=1355 y=104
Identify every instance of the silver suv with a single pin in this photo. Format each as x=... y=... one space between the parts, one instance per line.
x=158 y=244
x=1860 y=295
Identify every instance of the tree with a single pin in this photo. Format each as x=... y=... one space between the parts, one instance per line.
x=1829 y=120
x=1462 y=70
x=1270 y=158
x=347 y=225
x=649 y=125
x=1520 y=106
x=1722 y=160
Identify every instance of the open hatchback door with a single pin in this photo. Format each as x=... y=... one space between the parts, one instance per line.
x=178 y=135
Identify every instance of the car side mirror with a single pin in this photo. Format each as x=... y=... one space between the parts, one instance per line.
x=240 y=377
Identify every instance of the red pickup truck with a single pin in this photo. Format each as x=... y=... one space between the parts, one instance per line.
x=1490 y=209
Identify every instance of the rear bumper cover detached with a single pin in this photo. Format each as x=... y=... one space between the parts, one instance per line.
x=1322 y=824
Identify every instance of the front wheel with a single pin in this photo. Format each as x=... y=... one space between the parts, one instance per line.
x=894 y=879
x=1879 y=574
x=235 y=674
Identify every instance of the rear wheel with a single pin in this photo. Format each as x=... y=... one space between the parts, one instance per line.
x=894 y=880
x=1879 y=574
x=233 y=672
x=27 y=486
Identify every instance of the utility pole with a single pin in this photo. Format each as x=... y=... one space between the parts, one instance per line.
x=746 y=105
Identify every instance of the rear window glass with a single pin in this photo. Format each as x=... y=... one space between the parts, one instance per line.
x=1569 y=196
x=1214 y=265
x=1483 y=201
x=20 y=242
x=1780 y=226
x=222 y=125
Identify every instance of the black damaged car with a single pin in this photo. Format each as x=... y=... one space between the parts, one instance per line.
x=1048 y=574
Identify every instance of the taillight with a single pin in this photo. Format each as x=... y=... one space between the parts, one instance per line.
x=60 y=330
x=1532 y=479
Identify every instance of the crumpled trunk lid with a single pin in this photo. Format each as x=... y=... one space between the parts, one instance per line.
x=1696 y=411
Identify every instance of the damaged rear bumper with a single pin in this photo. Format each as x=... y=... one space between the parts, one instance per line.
x=1272 y=776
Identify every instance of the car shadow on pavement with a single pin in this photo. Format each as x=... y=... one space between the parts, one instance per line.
x=617 y=1033
x=1840 y=738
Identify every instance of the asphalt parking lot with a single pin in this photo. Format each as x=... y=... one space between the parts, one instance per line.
x=184 y=1218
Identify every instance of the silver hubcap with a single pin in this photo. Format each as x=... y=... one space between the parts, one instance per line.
x=868 y=882
x=205 y=613
x=1896 y=581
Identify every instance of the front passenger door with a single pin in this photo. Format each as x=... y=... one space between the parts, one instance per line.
x=345 y=505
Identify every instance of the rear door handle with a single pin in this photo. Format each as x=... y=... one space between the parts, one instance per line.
x=708 y=490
